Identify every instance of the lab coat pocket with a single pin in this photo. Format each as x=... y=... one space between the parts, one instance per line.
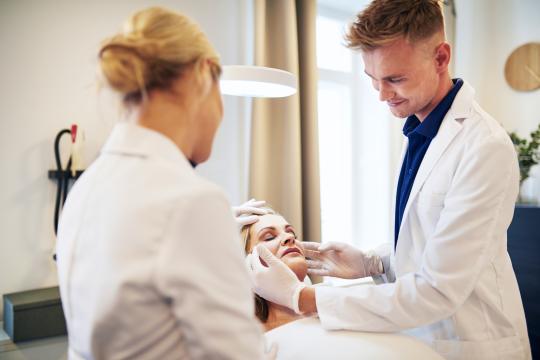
x=505 y=348
x=429 y=199
x=428 y=210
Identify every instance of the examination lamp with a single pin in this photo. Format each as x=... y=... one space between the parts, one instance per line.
x=257 y=81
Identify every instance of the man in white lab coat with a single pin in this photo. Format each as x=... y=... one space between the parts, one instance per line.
x=447 y=276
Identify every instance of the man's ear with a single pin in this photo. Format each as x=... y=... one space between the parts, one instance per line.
x=442 y=56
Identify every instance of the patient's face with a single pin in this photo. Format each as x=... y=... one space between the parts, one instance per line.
x=275 y=233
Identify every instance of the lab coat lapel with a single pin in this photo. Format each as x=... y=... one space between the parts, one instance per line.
x=450 y=127
x=448 y=131
x=396 y=180
x=403 y=152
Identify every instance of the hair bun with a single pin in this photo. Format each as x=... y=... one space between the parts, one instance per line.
x=152 y=51
x=124 y=67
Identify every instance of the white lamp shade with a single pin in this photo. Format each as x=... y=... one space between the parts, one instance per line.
x=257 y=81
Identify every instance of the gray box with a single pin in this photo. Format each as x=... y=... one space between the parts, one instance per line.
x=34 y=314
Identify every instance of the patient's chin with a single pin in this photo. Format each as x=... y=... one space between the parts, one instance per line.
x=298 y=265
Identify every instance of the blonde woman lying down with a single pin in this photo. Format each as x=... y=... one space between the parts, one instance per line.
x=301 y=336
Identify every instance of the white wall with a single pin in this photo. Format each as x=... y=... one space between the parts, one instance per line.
x=487 y=31
x=48 y=72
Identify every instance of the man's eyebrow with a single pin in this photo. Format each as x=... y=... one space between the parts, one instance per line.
x=393 y=76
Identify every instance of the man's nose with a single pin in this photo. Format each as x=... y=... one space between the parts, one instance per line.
x=385 y=92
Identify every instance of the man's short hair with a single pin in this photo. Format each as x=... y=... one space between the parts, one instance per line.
x=385 y=21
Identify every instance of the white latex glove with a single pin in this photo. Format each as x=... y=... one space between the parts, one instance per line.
x=246 y=213
x=271 y=353
x=341 y=260
x=274 y=282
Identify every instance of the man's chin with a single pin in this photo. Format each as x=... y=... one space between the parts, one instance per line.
x=400 y=113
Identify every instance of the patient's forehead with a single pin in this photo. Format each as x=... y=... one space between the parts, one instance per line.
x=270 y=220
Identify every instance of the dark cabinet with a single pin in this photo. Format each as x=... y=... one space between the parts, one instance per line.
x=524 y=250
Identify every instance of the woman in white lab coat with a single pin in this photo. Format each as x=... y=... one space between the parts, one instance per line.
x=148 y=263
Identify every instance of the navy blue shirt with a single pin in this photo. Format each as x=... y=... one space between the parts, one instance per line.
x=420 y=135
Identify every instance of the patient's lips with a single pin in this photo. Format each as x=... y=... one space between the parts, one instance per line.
x=292 y=250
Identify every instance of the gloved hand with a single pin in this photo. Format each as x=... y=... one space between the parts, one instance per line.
x=341 y=260
x=274 y=282
x=243 y=214
x=271 y=353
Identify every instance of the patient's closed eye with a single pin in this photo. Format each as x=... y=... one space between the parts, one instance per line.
x=268 y=235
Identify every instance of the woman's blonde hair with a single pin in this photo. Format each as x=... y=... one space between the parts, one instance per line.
x=261 y=305
x=156 y=46
x=384 y=21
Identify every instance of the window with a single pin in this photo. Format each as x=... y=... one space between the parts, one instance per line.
x=358 y=141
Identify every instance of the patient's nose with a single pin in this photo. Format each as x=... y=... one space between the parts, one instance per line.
x=288 y=240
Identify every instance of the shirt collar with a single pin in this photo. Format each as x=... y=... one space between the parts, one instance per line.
x=430 y=126
x=131 y=139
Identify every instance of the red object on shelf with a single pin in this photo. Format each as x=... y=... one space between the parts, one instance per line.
x=73 y=132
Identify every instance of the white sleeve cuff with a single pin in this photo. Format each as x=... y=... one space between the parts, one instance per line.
x=296 y=298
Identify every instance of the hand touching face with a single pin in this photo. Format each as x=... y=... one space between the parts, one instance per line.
x=278 y=236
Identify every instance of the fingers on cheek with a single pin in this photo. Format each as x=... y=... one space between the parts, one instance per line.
x=263 y=262
x=272 y=246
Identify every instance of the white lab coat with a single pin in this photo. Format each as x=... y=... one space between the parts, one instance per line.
x=454 y=279
x=149 y=261
x=305 y=339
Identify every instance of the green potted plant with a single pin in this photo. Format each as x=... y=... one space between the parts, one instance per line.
x=528 y=153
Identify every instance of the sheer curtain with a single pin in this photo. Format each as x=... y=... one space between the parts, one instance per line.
x=284 y=164
x=360 y=141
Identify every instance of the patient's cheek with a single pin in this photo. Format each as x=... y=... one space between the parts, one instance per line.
x=298 y=265
x=270 y=245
